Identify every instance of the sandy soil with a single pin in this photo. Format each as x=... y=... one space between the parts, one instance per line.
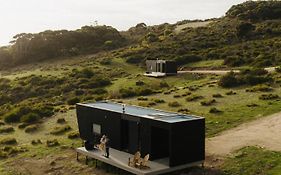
x=265 y=132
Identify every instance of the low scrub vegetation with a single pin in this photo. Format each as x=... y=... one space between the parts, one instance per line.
x=193 y=98
x=31 y=128
x=52 y=143
x=174 y=104
x=214 y=110
x=6 y=129
x=208 y=102
x=269 y=97
x=73 y=135
x=60 y=129
x=8 y=141
x=246 y=77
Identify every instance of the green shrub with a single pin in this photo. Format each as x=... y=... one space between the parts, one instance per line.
x=60 y=129
x=3 y=155
x=177 y=96
x=61 y=120
x=147 y=104
x=164 y=84
x=214 y=110
x=159 y=101
x=252 y=105
x=23 y=125
x=174 y=104
x=142 y=98
x=268 y=96
x=193 y=98
x=2 y=123
x=73 y=101
x=260 y=88
x=7 y=129
x=230 y=93
x=208 y=103
x=36 y=142
x=8 y=141
x=140 y=83
x=52 y=143
x=73 y=135
x=229 y=80
x=184 y=110
x=31 y=128
x=30 y=118
x=217 y=96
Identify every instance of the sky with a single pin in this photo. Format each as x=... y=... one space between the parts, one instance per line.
x=32 y=16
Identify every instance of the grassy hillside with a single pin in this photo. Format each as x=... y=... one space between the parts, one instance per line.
x=39 y=89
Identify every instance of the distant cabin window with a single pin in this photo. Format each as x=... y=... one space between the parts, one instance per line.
x=96 y=128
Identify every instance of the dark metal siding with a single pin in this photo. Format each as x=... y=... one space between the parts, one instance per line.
x=109 y=121
x=171 y=67
x=187 y=142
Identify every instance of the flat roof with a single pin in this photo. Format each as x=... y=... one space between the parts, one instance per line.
x=149 y=113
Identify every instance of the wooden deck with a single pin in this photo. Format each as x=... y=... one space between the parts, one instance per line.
x=120 y=160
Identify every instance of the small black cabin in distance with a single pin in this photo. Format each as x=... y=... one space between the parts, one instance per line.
x=160 y=68
x=177 y=137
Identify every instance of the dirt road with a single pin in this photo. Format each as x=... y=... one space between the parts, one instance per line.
x=265 y=132
x=219 y=72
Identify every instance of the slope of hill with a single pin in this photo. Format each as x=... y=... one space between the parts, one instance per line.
x=39 y=90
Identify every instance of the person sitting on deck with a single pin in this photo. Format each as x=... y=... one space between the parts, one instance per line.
x=102 y=143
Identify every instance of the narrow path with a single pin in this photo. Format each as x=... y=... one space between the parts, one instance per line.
x=264 y=132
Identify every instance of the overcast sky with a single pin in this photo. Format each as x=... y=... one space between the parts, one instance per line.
x=18 y=16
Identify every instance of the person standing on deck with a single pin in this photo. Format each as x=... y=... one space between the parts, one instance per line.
x=107 y=146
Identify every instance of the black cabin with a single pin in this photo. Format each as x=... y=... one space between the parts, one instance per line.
x=177 y=137
x=161 y=66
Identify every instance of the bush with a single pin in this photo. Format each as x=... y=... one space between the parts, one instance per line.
x=252 y=105
x=127 y=93
x=230 y=93
x=193 y=98
x=73 y=135
x=159 y=101
x=8 y=141
x=260 y=88
x=31 y=128
x=208 y=103
x=140 y=83
x=142 y=98
x=214 y=110
x=184 y=110
x=2 y=123
x=36 y=142
x=73 y=101
x=229 y=80
x=7 y=129
x=60 y=129
x=61 y=121
x=30 y=118
x=52 y=143
x=177 y=96
x=217 y=96
x=268 y=96
x=147 y=104
x=164 y=84
x=174 y=104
